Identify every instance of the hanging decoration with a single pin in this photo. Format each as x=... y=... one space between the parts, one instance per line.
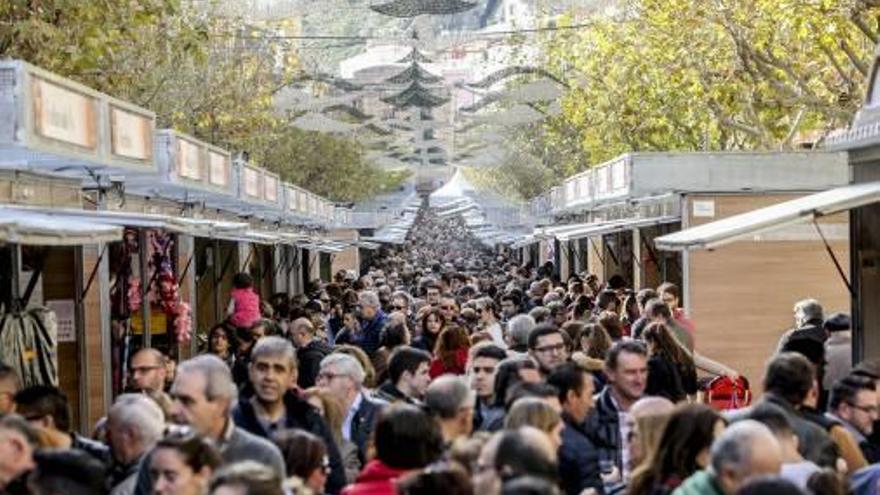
x=126 y=297
x=165 y=289
x=413 y=8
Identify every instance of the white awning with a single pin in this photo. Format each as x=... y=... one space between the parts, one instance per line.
x=526 y=241
x=253 y=237
x=801 y=210
x=603 y=228
x=33 y=228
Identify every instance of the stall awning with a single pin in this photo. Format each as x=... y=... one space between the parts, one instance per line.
x=603 y=228
x=22 y=227
x=526 y=241
x=253 y=237
x=804 y=209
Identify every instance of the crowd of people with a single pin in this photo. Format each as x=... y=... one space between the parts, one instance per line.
x=450 y=369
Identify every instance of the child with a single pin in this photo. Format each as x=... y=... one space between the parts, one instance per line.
x=245 y=303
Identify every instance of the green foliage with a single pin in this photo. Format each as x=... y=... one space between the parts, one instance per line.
x=203 y=74
x=705 y=75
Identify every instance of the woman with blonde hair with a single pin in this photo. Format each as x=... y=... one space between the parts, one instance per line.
x=536 y=412
x=329 y=407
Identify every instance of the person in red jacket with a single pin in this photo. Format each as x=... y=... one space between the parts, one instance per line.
x=451 y=352
x=406 y=439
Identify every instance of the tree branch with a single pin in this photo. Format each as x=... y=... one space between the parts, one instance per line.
x=851 y=55
x=864 y=28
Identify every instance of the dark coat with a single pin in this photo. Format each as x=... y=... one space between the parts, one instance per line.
x=578 y=460
x=362 y=425
x=309 y=358
x=371 y=331
x=664 y=379
x=603 y=429
x=389 y=394
x=298 y=415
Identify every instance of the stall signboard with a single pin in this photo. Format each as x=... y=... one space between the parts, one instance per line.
x=251 y=182
x=131 y=134
x=291 y=198
x=219 y=169
x=55 y=125
x=270 y=187
x=189 y=159
x=64 y=114
x=302 y=202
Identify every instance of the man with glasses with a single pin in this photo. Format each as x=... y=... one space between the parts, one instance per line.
x=854 y=405
x=547 y=347
x=147 y=371
x=343 y=376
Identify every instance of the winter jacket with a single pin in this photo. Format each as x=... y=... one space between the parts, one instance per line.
x=838 y=358
x=389 y=394
x=371 y=330
x=458 y=367
x=664 y=379
x=309 y=358
x=298 y=415
x=603 y=429
x=376 y=479
x=362 y=425
x=246 y=308
x=578 y=460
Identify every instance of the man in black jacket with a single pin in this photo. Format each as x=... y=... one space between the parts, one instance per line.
x=808 y=324
x=343 y=376
x=408 y=376
x=274 y=406
x=578 y=457
x=309 y=351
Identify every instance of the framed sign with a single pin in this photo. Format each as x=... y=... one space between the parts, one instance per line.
x=132 y=134
x=218 y=169
x=188 y=159
x=251 y=180
x=270 y=188
x=63 y=114
x=291 y=198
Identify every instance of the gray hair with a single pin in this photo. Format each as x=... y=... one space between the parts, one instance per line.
x=447 y=395
x=141 y=414
x=540 y=314
x=274 y=346
x=734 y=449
x=218 y=378
x=519 y=327
x=369 y=298
x=346 y=364
x=402 y=294
x=810 y=309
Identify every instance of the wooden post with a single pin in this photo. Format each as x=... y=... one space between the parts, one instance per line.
x=93 y=335
x=187 y=281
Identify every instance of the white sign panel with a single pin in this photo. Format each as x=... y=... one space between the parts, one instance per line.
x=252 y=182
x=189 y=164
x=132 y=134
x=218 y=169
x=270 y=184
x=704 y=208
x=65 y=317
x=64 y=115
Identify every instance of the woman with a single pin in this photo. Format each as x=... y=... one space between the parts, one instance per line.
x=451 y=352
x=534 y=411
x=394 y=335
x=330 y=409
x=182 y=465
x=595 y=341
x=682 y=451
x=431 y=324
x=671 y=371
x=611 y=323
x=305 y=457
x=220 y=343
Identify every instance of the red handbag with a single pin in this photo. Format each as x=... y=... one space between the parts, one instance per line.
x=723 y=393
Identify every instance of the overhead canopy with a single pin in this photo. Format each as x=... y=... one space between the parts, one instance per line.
x=33 y=228
x=606 y=227
x=804 y=209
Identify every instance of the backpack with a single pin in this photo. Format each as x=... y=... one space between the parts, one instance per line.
x=723 y=394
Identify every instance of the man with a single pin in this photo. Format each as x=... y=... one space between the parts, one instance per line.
x=671 y=295
x=67 y=472
x=148 y=371
x=626 y=368
x=525 y=451
x=134 y=424
x=511 y=304
x=408 y=376
x=451 y=402
x=372 y=322
x=745 y=450
x=204 y=393
x=518 y=329
x=658 y=310
x=787 y=383
x=547 y=347
x=854 y=405
x=10 y=384
x=18 y=441
x=343 y=376
x=47 y=408
x=838 y=349
x=274 y=406
x=578 y=457
x=449 y=308
x=432 y=294
x=487 y=313
x=794 y=467
x=808 y=320
x=483 y=363
x=309 y=351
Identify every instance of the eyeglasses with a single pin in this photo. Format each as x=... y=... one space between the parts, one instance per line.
x=550 y=348
x=143 y=369
x=873 y=410
x=326 y=375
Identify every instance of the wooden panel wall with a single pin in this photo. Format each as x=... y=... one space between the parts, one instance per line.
x=94 y=364
x=741 y=295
